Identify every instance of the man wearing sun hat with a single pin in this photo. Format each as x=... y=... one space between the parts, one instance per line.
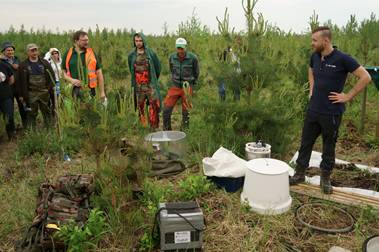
x=34 y=85
x=13 y=61
x=185 y=71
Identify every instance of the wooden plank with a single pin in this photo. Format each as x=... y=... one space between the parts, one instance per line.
x=339 y=196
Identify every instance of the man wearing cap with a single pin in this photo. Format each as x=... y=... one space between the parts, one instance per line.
x=34 y=85
x=185 y=71
x=13 y=61
x=145 y=68
x=90 y=64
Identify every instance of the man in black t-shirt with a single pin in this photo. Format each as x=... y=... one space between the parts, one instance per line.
x=328 y=71
x=34 y=85
x=6 y=97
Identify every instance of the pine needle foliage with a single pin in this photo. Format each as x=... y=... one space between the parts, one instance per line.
x=268 y=104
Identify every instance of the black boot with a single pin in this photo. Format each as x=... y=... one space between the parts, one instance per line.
x=185 y=120
x=166 y=113
x=25 y=123
x=299 y=175
x=325 y=181
x=10 y=135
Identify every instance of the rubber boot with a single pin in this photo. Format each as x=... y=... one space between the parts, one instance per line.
x=32 y=123
x=185 y=120
x=325 y=181
x=25 y=124
x=47 y=122
x=10 y=135
x=166 y=113
x=299 y=175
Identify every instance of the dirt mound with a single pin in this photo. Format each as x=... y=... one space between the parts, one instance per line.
x=350 y=176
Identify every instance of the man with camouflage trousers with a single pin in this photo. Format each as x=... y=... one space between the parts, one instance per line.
x=145 y=68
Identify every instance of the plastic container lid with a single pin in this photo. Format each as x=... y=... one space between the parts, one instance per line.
x=165 y=136
x=267 y=166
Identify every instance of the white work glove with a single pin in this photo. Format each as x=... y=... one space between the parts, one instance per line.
x=2 y=77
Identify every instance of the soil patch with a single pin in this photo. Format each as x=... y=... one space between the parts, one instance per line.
x=326 y=217
x=350 y=176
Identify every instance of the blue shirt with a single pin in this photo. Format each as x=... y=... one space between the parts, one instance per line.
x=330 y=76
x=9 y=61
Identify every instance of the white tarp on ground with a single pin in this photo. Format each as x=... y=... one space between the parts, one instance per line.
x=315 y=162
x=224 y=164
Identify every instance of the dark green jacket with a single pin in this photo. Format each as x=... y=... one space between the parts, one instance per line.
x=187 y=70
x=22 y=77
x=16 y=61
x=155 y=69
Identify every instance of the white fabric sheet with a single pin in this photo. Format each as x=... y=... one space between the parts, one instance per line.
x=315 y=162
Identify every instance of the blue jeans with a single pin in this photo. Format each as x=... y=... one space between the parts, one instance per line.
x=6 y=107
x=222 y=92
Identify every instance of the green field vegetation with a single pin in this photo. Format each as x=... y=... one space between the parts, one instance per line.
x=274 y=93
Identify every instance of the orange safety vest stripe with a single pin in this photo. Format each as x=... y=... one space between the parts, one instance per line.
x=91 y=63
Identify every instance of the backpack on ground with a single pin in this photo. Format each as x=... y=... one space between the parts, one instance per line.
x=58 y=204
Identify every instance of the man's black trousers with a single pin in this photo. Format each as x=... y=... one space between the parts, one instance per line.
x=314 y=125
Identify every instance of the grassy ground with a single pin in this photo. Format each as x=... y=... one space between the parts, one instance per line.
x=231 y=225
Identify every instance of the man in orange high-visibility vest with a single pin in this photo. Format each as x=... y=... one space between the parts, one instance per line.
x=90 y=62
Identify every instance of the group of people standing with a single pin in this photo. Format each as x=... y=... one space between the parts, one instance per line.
x=145 y=68
x=29 y=82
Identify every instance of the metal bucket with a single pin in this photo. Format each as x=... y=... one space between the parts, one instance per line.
x=168 y=145
x=257 y=150
x=371 y=244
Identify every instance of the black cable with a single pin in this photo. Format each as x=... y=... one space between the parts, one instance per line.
x=324 y=230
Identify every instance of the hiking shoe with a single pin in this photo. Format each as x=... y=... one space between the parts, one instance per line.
x=325 y=181
x=299 y=175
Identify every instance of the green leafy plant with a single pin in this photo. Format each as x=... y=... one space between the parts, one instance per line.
x=88 y=235
x=149 y=239
x=193 y=186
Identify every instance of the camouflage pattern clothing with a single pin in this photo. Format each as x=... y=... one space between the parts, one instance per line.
x=144 y=90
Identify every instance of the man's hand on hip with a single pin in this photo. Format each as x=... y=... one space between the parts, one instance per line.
x=338 y=98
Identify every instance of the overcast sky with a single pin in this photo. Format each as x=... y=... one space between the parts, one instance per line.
x=150 y=15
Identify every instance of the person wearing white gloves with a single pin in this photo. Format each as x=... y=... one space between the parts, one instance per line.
x=55 y=60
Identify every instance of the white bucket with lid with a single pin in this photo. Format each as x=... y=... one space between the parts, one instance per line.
x=266 y=186
x=257 y=150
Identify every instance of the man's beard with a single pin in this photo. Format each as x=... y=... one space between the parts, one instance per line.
x=319 y=49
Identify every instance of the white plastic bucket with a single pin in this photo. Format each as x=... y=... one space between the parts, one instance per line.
x=266 y=186
x=252 y=151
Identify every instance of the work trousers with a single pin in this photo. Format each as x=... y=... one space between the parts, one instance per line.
x=39 y=99
x=76 y=92
x=21 y=109
x=174 y=94
x=314 y=125
x=6 y=107
x=145 y=91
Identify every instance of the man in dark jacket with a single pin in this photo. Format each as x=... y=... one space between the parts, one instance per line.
x=185 y=71
x=13 y=61
x=145 y=68
x=34 y=85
